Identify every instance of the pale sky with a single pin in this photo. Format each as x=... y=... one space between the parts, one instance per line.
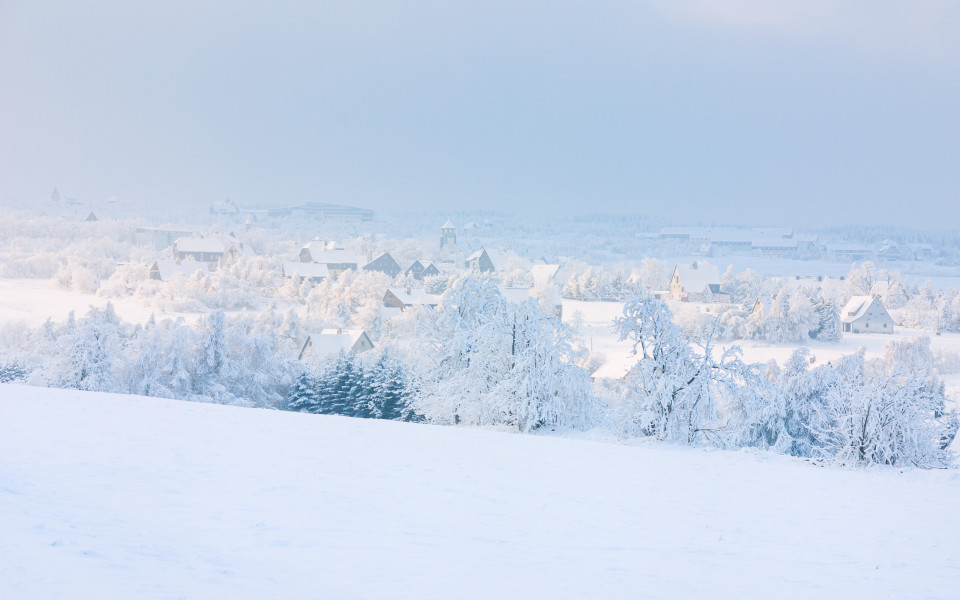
x=736 y=111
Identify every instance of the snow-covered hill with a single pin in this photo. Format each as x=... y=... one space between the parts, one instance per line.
x=106 y=496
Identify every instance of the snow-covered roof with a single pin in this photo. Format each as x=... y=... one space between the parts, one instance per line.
x=331 y=341
x=613 y=369
x=447 y=225
x=697 y=276
x=543 y=274
x=335 y=257
x=210 y=245
x=855 y=308
x=302 y=269
x=499 y=258
x=415 y=296
x=168 y=268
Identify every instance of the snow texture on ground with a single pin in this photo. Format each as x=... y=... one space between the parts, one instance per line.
x=107 y=496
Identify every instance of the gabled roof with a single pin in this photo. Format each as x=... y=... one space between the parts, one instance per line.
x=331 y=341
x=385 y=257
x=697 y=276
x=856 y=307
x=613 y=369
x=335 y=257
x=415 y=297
x=447 y=225
x=543 y=274
x=168 y=268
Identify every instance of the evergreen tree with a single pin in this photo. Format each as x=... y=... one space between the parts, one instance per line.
x=306 y=395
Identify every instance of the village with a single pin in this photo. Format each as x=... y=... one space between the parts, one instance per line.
x=352 y=293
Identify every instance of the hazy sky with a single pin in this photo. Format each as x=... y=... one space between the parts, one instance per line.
x=805 y=113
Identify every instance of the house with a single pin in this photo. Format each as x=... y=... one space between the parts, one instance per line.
x=92 y=217
x=384 y=264
x=842 y=251
x=301 y=270
x=415 y=270
x=697 y=282
x=489 y=261
x=543 y=274
x=480 y=261
x=613 y=371
x=418 y=271
x=336 y=259
x=403 y=299
x=165 y=270
x=891 y=251
x=431 y=270
x=213 y=250
x=865 y=314
x=331 y=342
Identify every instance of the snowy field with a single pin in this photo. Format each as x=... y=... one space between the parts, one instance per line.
x=33 y=301
x=106 y=496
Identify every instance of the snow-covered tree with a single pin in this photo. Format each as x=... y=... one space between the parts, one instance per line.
x=668 y=389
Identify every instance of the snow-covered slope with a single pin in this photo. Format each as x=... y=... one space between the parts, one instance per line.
x=105 y=496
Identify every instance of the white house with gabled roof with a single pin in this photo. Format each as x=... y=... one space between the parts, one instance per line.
x=697 y=282
x=865 y=314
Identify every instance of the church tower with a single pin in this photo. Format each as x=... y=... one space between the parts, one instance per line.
x=448 y=237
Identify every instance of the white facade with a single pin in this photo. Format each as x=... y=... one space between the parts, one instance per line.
x=865 y=314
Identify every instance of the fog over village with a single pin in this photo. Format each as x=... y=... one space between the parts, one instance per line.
x=374 y=301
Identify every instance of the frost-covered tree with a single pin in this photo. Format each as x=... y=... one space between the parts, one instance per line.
x=886 y=418
x=668 y=389
x=88 y=352
x=488 y=362
x=543 y=386
x=828 y=327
